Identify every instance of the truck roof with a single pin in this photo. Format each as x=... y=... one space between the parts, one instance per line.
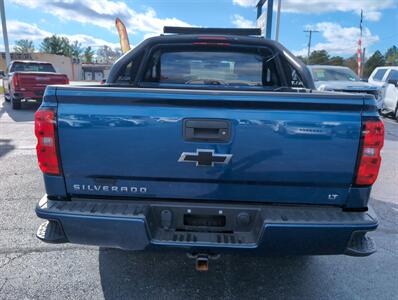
x=327 y=66
x=31 y=61
x=233 y=35
x=387 y=67
x=233 y=38
x=204 y=30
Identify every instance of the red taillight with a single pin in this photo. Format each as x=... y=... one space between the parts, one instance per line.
x=45 y=125
x=15 y=81
x=212 y=37
x=370 y=158
x=66 y=80
x=211 y=44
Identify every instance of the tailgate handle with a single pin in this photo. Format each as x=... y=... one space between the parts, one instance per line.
x=207 y=130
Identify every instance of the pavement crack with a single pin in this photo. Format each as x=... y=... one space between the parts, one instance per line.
x=10 y=260
x=44 y=250
x=3 y=285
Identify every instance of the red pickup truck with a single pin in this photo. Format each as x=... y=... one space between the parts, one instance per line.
x=27 y=80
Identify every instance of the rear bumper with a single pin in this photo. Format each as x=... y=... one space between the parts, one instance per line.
x=33 y=93
x=272 y=230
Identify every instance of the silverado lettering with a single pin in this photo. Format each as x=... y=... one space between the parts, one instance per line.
x=109 y=188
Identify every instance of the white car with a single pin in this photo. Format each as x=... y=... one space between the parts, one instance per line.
x=343 y=79
x=387 y=78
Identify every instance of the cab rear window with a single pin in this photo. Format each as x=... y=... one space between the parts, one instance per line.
x=223 y=68
x=31 y=67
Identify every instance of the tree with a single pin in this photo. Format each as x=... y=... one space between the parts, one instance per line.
x=88 y=55
x=376 y=60
x=61 y=46
x=301 y=58
x=320 y=57
x=118 y=52
x=391 y=56
x=336 y=61
x=76 y=50
x=351 y=62
x=107 y=55
x=24 y=46
x=56 y=45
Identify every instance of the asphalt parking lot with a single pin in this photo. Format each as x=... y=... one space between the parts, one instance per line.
x=30 y=269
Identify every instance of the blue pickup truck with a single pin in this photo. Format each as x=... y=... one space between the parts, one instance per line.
x=209 y=140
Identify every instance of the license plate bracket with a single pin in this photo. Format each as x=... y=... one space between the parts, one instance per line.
x=196 y=220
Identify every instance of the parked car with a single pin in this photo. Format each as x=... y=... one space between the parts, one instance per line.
x=343 y=79
x=26 y=80
x=387 y=79
x=234 y=150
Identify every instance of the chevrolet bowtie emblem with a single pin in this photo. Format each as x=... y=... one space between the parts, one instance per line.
x=205 y=158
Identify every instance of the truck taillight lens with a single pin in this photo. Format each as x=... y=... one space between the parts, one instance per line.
x=370 y=158
x=15 y=81
x=45 y=131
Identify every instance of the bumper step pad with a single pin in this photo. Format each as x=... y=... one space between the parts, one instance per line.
x=360 y=245
x=51 y=232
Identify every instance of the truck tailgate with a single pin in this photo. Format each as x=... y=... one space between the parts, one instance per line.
x=283 y=147
x=40 y=79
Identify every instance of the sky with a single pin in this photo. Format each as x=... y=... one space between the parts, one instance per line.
x=91 y=22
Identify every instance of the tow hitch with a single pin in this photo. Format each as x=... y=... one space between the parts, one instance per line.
x=202 y=260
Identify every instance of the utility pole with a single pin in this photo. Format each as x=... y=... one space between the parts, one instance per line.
x=310 y=31
x=5 y=34
x=266 y=20
x=278 y=20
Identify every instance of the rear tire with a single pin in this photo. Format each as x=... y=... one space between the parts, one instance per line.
x=396 y=114
x=16 y=103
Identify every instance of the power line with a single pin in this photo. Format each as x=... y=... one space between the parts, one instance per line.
x=310 y=31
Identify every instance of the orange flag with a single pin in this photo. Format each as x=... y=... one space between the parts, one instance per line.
x=124 y=39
